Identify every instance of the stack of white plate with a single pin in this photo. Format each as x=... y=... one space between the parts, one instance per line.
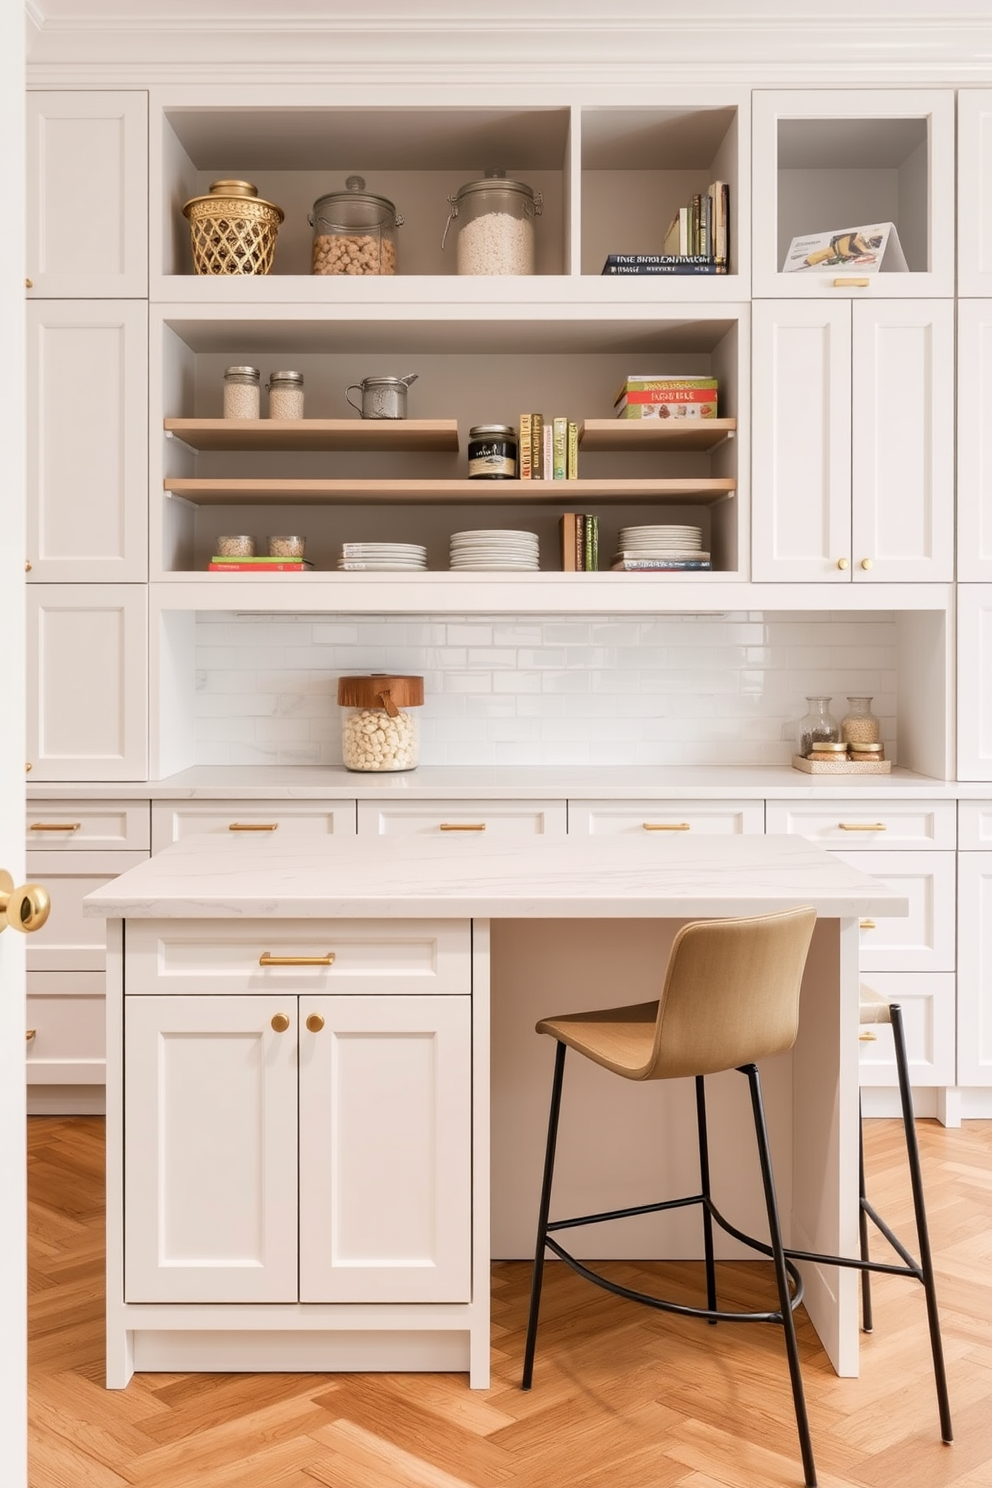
x=375 y=557
x=662 y=542
x=495 y=548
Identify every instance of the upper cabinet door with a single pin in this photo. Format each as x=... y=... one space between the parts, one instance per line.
x=975 y=439
x=975 y=192
x=87 y=510
x=828 y=161
x=902 y=434
x=87 y=207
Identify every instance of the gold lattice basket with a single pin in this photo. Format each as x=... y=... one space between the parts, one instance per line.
x=232 y=230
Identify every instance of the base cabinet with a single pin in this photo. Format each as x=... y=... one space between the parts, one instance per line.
x=975 y=945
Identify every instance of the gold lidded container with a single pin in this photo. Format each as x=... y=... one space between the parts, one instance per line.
x=232 y=229
x=379 y=733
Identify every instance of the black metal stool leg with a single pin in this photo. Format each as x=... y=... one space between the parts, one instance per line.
x=542 y=1221
x=781 y=1275
x=704 y=1179
x=866 y=1314
x=922 y=1229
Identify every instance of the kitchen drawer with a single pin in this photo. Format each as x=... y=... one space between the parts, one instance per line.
x=172 y=820
x=611 y=818
x=875 y=825
x=460 y=818
x=370 y=956
x=975 y=826
x=925 y=939
x=67 y=941
x=73 y=826
x=66 y=1025
x=927 y=1000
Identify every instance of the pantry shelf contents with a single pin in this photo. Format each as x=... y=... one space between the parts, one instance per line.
x=245 y=492
x=402 y=436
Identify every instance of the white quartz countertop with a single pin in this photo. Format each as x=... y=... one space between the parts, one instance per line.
x=208 y=877
x=438 y=783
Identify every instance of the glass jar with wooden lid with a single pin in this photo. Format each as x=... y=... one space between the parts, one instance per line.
x=378 y=730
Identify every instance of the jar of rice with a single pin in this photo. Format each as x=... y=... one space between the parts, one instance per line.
x=495 y=225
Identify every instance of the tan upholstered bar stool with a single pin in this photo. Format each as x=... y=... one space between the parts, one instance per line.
x=875 y=1009
x=730 y=997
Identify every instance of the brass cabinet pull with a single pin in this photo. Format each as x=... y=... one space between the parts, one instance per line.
x=842 y=562
x=851 y=283
x=461 y=826
x=30 y=1033
x=267 y=959
x=315 y=1022
x=867 y=1037
x=666 y=826
x=55 y=826
x=862 y=826
x=868 y=925
x=27 y=565
x=867 y=563
x=280 y=1022
x=253 y=827
x=29 y=284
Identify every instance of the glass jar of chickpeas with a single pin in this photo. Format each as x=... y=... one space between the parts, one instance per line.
x=354 y=232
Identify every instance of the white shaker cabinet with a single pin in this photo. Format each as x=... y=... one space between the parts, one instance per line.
x=974 y=191
x=87 y=510
x=974 y=689
x=853 y=467
x=87 y=195
x=87 y=688
x=975 y=944
x=975 y=437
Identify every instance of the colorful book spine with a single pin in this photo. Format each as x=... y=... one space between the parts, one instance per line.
x=572 y=451
x=591 y=545
x=567 y=529
x=580 y=543
x=257 y=568
x=548 y=437
x=685 y=266
x=524 y=447
x=659 y=565
x=538 y=470
x=559 y=449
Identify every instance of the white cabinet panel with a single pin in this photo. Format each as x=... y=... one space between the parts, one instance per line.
x=975 y=434
x=975 y=192
x=925 y=939
x=975 y=968
x=974 y=681
x=974 y=826
x=616 y=818
x=79 y=826
x=87 y=194
x=461 y=818
x=210 y=1142
x=87 y=688
x=68 y=941
x=66 y=1020
x=385 y=1149
x=927 y=1002
x=874 y=825
x=87 y=514
x=254 y=820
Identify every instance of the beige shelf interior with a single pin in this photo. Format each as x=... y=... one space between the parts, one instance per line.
x=671 y=435
x=397 y=436
x=566 y=494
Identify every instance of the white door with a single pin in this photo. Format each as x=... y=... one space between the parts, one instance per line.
x=974 y=681
x=975 y=438
x=385 y=1149
x=210 y=1149
x=975 y=969
x=801 y=459
x=13 y=1293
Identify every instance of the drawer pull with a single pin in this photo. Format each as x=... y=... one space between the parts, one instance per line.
x=30 y=1033
x=862 y=826
x=315 y=1022
x=461 y=826
x=55 y=826
x=867 y=1037
x=851 y=283
x=267 y=959
x=253 y=827
x=280 y=1022
x=666 y=826
x=868 y=925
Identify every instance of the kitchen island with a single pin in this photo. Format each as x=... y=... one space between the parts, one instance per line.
x=313 y=1050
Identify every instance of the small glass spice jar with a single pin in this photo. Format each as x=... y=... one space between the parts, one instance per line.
x=817 y=726
x=492 y=452
x=859 y=724
x=236 y=547
x=829 y=751
x=378 y=730
x=242 y=395
x=285 y=390
x=867 y=754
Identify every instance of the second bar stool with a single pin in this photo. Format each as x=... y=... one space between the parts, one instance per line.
x=730 y=997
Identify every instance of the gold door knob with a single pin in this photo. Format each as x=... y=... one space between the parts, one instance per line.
x=866 y=563
x=27 y=565
x=315 y=1022
x=30 y=1033
x=280 y=1022
x=29 y=284
x=842 y=562
x=867 y=1037
x=25 y=908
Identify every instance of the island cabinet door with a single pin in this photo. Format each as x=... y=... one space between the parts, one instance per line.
x=385 y=1149
x=210 y=1149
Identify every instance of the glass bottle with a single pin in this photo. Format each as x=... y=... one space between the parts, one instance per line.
x=859 y=724
x=242 y=398
x=817 y=726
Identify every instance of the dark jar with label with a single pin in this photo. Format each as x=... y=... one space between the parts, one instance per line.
x=492 y=452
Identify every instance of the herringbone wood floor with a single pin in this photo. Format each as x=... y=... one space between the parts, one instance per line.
x=622 y=1397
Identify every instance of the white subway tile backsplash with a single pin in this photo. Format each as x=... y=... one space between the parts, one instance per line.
x=610 y=690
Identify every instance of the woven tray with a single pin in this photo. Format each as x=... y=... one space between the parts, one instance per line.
x=841 y=767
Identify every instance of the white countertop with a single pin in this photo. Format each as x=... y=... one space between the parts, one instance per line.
x=524 y=782
x=208 y=877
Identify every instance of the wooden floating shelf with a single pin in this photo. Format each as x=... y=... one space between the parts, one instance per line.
x=673 y=435
x=378 y=436
x=569 y=495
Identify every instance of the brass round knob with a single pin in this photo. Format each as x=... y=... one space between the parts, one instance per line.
x=315 y=1022
x=280 y=1022
x=29 y=284
x=27 y=565
x=25 y=908
x=866 y=563
x=842 y=563
x=29 y=767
